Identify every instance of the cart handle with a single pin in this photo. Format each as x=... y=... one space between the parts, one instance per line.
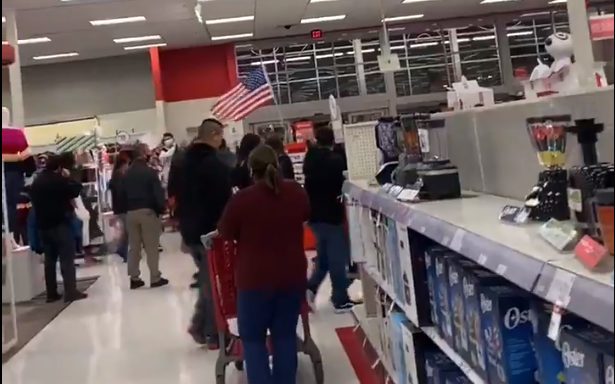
x=207 y=239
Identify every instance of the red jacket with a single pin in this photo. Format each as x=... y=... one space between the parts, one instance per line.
x=269 y=233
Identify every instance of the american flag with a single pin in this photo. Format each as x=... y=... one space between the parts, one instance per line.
x=245 y=97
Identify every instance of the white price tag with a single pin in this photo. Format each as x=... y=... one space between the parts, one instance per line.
x=457 y=241
x=445 y=241
x=408 y=195
x=501 y=269
x=422 y=230
x=561 y=287
x=482 y=259
x=555 y=323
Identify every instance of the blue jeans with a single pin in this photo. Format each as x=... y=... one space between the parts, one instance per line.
x=277 y=311
x=333 y=257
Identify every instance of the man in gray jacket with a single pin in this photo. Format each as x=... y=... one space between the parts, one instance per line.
x=145 y=203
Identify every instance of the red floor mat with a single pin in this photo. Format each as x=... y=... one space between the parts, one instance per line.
x=359 y=355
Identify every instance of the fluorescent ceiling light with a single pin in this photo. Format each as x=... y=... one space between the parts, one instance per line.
x=322 y=19
x=369 y=50
x=484 y=38
x=521 y=33
x=56 y=56
x=558 y=2
x=122 y=20
x=229 y=37
x=298 y=58
x=136 y=47
x=229 y=20
x=495 y=1
x=35 y=40
x=400 y=18
x=423 y=45
x=414 y=1
x=264 y=62
x=397 y=47
x=397 y=29
x=136 y=39
x=3 y=19
x=321 y=1
x=328 y=55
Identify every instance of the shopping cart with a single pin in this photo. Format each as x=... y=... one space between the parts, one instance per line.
x=222 y=275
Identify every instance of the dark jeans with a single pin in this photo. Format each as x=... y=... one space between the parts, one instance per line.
x=59 y=245
x=333 y=257
x=204 y=320
x=276 y=311
x=122 y=247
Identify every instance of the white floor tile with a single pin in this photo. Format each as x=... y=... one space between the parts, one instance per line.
x=118 y=336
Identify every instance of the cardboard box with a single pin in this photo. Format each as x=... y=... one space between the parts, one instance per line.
x=445 y=315
x=609 y=371
x=455 y=270
x=437 y=366
x=398 y=324
x=583 y=352
x=395 y=267
x=507 y=328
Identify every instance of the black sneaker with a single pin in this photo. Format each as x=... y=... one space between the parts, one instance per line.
x=75 y=297
x=344 y=308
x=195 y=285
x=160 y=283
x=52 y=298
x=136 y=284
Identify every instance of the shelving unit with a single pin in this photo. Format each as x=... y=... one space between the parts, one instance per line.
x=471 y=228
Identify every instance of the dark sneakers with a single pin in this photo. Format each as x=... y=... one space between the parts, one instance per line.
x=52 y=298
x=136 y=284
x=159 y=283
x=75 y=297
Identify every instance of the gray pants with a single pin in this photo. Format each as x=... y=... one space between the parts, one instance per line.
x=204 y=319
x=144 y=230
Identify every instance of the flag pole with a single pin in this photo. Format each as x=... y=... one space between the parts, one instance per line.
x=275 y=102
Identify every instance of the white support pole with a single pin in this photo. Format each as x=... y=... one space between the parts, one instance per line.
x=456 y=57
x=389 y=77
x=357 y=47
x=15 y=85
x=583 y=47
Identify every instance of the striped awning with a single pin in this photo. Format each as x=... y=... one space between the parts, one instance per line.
x=70 y=144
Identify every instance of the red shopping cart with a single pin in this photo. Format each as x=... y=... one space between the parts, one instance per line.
x=220 y=259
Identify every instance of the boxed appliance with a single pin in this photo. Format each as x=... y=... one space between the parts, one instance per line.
x=474 y=280
x=548 y=352
x=458 y=380
x=432 y=282
x=456 y=267
x=609 y=373
x=395 y=268
x=416 y=345
x=437 y=365
x=583 y=351
x=445 y=315
x=506 y=326
x=398 y=324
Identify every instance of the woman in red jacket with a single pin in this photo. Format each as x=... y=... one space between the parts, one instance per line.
x=266 y=219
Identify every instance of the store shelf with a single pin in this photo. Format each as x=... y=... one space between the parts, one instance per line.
x=470 y=226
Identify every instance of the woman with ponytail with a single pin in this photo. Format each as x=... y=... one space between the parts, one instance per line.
x=266 y=219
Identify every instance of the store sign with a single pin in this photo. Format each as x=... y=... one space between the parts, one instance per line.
x=601 y=27
x=304 y=130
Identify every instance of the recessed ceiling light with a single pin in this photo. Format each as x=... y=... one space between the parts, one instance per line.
x=423 y=45
x=230 y=37
x=400 y=18
x=322 y=19
x=35 y=40
x=122 y=20
x=520 y=33
x=136 y=47
x=483 y=38
x=137 y=39
x=56 y=56
x=495 y=1
x=229 y=20
x=264 y=62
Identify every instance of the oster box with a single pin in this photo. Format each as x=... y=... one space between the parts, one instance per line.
x=432 y=282
x=507 y=329
x=458 y=378
x=398 y=323
x=609 y=373
x=473 y=281
x=455 y=270
x=583 y=352
x=549 y=352
x=437 y=366
x=445 y=314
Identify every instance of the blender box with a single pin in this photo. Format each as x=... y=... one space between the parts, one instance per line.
x=474 y=280
x=432 y=282
x=609 y=373
x=437 y=365
x=455 y=270
x=398 y=361
x=445 y=316
x=548 y=352
x=395 y=266
x=583 y=352
x=416 y=343
x=506 y=326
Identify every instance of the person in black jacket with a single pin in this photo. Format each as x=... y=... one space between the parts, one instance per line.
x=118 y=204
x=145 y=203
x=205 y=188
x=324 y=177
x=52 y=195
x=241 y=177
x=285 y=163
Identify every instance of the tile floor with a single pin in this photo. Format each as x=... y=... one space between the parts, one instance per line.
x=118 y=336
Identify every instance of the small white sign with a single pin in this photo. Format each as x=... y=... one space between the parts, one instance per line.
x=122 y=137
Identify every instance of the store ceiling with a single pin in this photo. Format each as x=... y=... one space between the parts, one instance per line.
x=63 y=27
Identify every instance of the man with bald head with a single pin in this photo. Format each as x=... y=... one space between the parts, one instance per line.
x=145 y=203
x=204 y=189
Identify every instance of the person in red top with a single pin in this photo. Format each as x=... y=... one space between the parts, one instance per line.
x=266 y=219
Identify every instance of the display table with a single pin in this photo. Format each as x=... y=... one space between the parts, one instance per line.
x=28 y=276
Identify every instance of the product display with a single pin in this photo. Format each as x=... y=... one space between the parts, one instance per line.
x=583 y=352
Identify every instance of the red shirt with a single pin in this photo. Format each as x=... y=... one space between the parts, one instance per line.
x=268 y=228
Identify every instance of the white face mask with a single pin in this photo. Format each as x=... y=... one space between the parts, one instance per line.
x=168 y=143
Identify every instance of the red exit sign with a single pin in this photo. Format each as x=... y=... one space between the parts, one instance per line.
x=316 y=34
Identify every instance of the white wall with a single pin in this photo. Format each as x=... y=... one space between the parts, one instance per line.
x=82 y=89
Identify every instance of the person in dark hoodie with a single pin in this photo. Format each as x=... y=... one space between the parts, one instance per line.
x=324 y=177
x=118 y=204
x=241 y=177
x=285 y=163
x=204 y=189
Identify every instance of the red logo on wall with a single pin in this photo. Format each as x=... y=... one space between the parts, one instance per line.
x=601 y=27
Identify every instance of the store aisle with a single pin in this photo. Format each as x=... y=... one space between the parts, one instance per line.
x=118 y=336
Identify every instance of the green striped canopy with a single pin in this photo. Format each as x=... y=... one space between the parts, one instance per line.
x=70 y=144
